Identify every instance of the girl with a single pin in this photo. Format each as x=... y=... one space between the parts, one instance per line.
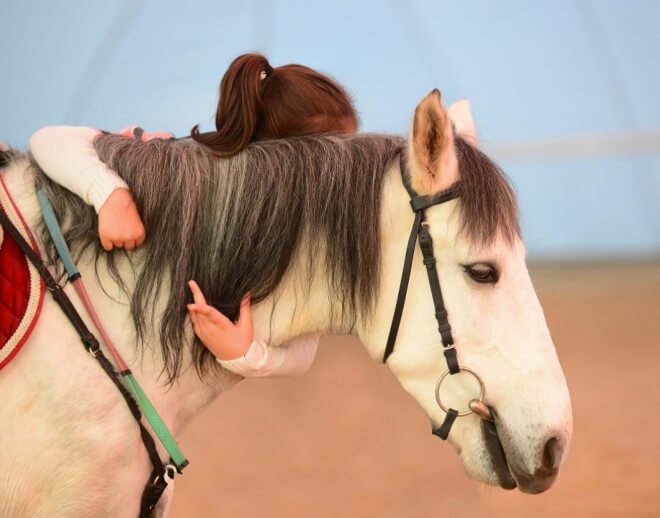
x=256 y=102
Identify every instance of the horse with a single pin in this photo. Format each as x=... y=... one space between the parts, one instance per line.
x=315 y=228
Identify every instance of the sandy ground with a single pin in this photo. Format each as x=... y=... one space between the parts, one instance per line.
x=346 y=440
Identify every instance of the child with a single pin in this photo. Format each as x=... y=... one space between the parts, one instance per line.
x=256 y=102
x=235 y=349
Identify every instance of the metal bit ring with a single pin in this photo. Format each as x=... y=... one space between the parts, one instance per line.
x=472 y=403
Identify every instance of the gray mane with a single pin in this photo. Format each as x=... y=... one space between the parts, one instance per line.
x=235 y=225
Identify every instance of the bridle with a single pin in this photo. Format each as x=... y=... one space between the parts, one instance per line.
x=420 y=232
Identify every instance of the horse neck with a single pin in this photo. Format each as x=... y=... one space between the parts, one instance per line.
x=299 y=305
x=177 y=403
x=396 y=219
x=296 y=308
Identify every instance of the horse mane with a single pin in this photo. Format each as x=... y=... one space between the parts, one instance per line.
x=235 y=225
x=7 y=155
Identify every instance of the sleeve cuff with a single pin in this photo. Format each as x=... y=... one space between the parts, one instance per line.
x=102 y=187
x=250 y=363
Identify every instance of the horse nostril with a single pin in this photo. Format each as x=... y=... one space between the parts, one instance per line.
x=551 y=455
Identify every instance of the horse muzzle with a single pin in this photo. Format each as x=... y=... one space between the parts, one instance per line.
x=511 y=471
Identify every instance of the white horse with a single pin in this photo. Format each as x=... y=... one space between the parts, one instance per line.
x=69 y=447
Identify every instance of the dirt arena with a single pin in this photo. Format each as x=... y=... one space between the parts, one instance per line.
x=346 y=440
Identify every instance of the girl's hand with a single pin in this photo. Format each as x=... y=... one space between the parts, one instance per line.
x=120 y=224
x=137 y=133
x=226 y=340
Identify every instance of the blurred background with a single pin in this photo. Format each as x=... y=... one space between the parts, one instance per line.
x=564 y=94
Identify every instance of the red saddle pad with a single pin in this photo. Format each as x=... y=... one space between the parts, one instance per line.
x=21 y=288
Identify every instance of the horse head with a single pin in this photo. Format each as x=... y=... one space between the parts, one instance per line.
x=315 y=228
x=497 y=323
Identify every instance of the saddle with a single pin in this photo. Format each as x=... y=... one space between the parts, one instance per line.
x=21 y=286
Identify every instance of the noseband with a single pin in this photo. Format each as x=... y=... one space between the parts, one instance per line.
x=420 y=231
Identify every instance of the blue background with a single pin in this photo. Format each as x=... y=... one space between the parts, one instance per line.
x=564 y=92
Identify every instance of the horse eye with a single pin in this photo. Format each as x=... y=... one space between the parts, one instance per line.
x=483 y=273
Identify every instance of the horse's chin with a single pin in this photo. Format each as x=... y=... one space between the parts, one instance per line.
x=506 y=474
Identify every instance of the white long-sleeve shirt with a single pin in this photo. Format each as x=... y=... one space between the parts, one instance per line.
x=292 y=359
x=67 y=155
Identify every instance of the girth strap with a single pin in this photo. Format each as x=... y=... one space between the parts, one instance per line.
x=158 y=480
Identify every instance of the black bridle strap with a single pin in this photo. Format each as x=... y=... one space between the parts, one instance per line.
x=426 y=244
x=403 y=287
x=157 y=481
x=419 y=204
x=443 y=430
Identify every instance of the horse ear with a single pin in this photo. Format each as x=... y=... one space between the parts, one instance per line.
x=461 y=115
x=433 y=164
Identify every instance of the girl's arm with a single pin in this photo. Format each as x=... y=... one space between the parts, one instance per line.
x=291 y=359
x=67 y=155
x=234 y=347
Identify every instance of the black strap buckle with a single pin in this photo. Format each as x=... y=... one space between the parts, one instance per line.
x=155 y=488
x=443 y=430
x=91 y=344
x=429 y=262
x=452 y=360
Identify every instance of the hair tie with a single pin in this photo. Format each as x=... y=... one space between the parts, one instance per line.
x=266 y=73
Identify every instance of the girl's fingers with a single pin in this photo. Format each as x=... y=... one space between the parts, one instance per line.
x=209 y=315
x=217 y=318
x=199 y=310
x=193 y=318
x=245 y=316
x=198 y=296
x=127 y=132
x=106 y=244
x=198 y=323
x=148 y=135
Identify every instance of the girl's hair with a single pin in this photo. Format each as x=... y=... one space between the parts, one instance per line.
x=258 y=101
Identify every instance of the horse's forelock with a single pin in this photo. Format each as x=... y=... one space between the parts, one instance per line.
x=488 y=203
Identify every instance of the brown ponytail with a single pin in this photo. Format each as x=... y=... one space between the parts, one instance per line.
x=239 y=106
x=257 y=101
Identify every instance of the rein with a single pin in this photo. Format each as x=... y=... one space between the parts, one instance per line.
x=420 y=232
x=133 y=395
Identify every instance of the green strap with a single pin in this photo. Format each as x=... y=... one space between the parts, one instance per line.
x=157 y=424
x=56 y=233
x=148 y=410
